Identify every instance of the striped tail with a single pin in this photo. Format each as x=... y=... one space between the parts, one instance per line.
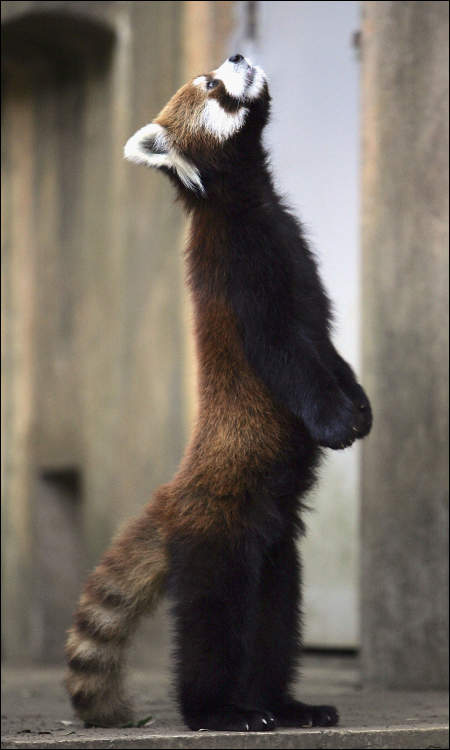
x=129 y=581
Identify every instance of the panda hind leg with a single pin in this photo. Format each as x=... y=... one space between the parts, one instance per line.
x=213 y=588
x=278 y=641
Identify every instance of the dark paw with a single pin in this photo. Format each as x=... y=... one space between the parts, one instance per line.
x=231 y=719
x=364 y=413
x=333 y=420
x=297 y=714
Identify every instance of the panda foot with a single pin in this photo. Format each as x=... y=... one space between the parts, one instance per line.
x=232 y=719
x=297 y=714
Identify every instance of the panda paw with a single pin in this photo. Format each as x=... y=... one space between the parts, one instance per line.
x=297 y=714
x=232 y=719
x=333 y=420
x=364 y=411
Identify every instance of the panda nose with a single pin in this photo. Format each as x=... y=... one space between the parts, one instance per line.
x=236 y=58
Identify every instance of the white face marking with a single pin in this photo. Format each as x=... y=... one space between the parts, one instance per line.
x=220 y=123
x=236 y=78
x=256 y=86
x=150 y=145
x=198 y=81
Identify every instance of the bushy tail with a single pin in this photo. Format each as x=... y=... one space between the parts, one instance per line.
x=129 y=581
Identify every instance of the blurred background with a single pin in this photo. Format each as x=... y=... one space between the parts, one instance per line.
x=98 y=367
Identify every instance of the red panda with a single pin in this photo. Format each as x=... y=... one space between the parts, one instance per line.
x=220 y=538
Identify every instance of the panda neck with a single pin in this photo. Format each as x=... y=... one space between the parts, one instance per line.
x=230 y=212
x=242 y=183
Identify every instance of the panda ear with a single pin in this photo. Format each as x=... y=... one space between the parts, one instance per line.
x=151 y=145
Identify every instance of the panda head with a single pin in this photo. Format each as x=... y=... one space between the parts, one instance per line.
x=206 y=125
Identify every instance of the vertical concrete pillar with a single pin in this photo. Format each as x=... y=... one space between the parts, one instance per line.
x=405 y=347
x=96 y=362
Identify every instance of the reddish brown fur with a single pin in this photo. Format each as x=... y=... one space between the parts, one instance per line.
x=181 y=115
x=240 y=430
x=230 y=444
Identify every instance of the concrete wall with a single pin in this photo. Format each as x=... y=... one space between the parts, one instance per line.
x=404 y=583
x=96 y=371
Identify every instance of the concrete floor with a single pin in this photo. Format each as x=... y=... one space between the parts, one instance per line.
x=36 y=714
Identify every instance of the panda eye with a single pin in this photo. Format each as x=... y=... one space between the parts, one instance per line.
x=212 y=84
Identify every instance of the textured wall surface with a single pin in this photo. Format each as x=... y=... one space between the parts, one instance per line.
x=97 y=366
x=92 y=277
x=404 y=581
x=97 y=370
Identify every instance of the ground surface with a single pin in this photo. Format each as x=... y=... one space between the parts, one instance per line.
x=36 y=714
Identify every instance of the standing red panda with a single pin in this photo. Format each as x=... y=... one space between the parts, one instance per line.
x=219 y=538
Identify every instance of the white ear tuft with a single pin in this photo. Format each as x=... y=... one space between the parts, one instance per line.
x=150 y=145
